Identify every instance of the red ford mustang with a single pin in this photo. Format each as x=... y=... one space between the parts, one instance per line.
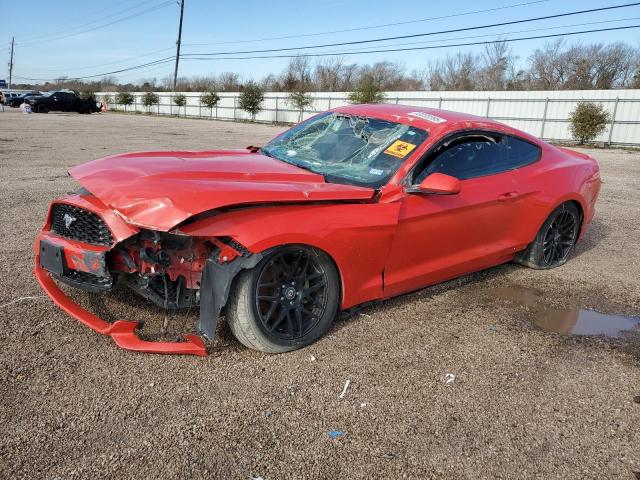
x=356 y=204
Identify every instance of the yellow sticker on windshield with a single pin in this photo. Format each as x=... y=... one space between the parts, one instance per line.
x=400 y=149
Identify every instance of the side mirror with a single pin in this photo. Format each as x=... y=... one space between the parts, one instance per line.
x=439 y=184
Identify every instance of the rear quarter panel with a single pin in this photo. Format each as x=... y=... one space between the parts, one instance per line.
x=560 y=175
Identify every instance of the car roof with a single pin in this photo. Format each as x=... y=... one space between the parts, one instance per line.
x=434 y=120
x=389 y=111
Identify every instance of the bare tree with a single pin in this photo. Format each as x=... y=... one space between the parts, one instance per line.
x=549 y=66
x=497 y=63
x=228 y=82
x=270 y=83
x=329 y=73
x=616 y=65
x=455 y=72
x=298 y=72
x=333 y=74
x=555 y=65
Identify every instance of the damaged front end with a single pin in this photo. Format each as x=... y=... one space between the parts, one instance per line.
x=88 y=246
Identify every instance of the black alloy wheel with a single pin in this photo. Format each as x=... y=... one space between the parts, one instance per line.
x=555 y=239
x=289 y=300
x=291 y=293
x=560 y=237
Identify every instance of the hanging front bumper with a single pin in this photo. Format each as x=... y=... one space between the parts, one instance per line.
x=122 y=331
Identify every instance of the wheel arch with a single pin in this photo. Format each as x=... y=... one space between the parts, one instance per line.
x=542 y=215
x=579 y=203
x=270 y=250
x=218 y=279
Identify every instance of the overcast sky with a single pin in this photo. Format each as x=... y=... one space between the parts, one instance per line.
x=52 y=38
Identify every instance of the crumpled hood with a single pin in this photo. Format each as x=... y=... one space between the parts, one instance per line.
x=159 y=190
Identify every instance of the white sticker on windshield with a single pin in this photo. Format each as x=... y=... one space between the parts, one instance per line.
x=291 y=153
x=427 y=116
x=376 y=171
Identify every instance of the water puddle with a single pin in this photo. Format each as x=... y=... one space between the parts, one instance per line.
x=569 y=321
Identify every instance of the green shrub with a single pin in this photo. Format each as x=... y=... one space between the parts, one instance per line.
x=124 y=98
x=181 y=101
x=210 y=100
x=251 y=99
x=367 y=91
x=588 y=120
x=300 y=99
x=149 y=99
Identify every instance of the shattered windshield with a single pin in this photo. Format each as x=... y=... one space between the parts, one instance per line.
x=347 y=148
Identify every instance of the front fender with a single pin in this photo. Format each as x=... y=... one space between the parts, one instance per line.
x=357 y=236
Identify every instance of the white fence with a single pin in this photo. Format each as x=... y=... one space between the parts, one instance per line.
x=541 y=113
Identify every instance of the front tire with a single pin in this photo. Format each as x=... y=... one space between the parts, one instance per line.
x=42 y=109
x=555 y=239
x=288 y=301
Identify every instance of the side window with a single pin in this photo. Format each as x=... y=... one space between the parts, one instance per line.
x=520 y=153
x=479 y=156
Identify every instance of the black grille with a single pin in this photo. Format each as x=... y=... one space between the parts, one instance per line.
x=79 y=224
x=86 y=281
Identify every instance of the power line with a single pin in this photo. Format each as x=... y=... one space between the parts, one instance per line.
x=115 y=62
x=85 y=77
x=370 y=27
x=401 y=37
x=84 y=24
x=98 y=27
x=90 y=67
x=430 y=47
x=501 y=36
x=332 y=54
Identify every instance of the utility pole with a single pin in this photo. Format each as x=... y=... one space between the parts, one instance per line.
x=175 y=72
x=11 y=63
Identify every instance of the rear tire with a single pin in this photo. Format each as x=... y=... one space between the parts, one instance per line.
x=288 y=301
x=555 y=239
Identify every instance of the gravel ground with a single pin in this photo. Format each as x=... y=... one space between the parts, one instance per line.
x=524 y=403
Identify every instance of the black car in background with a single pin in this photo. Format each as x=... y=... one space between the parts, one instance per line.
x=16 y=100
x=61 y=101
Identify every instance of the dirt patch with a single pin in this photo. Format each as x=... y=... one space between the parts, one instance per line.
x=523 y=403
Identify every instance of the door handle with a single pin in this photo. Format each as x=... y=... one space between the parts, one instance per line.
x=507 y=196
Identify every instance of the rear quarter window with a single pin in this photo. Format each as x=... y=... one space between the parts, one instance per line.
x=520 y=153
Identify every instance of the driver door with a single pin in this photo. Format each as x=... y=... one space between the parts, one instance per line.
x=440 y=237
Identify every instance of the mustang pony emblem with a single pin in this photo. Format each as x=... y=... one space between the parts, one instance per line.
x=68 y=220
